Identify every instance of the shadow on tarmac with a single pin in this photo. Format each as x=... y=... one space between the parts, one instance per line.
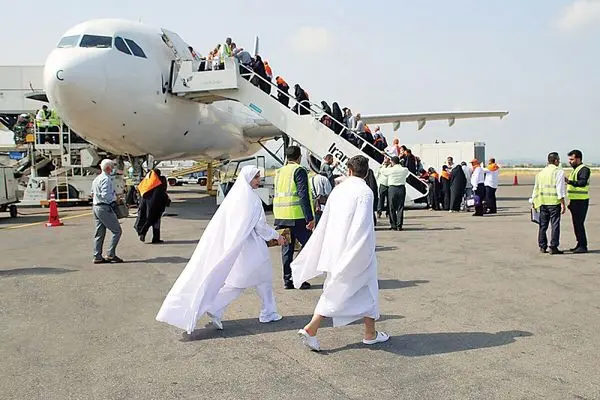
x=161 y=260
x=35 y=271
x=420 y=229
x=427 y=344
x=251 y=326
x=385 y=248
x=387 y=284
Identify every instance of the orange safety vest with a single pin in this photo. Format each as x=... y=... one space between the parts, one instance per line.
x=150 y=182
x=446 y=175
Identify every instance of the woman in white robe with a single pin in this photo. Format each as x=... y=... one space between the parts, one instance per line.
x=231 y=256
x=347 y=257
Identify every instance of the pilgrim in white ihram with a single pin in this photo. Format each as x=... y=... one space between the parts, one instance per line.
x=231 y=256
x=343 y=247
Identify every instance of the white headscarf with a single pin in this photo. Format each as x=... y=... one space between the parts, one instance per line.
x=215 y=255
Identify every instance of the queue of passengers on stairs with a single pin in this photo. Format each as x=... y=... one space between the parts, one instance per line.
x=340 y=120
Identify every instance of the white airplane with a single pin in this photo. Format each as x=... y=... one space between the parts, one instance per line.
x=108 y=79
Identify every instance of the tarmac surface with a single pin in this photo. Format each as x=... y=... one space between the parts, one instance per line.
x=474 y=311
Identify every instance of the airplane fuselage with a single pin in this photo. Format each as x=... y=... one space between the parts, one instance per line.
x=120 y=101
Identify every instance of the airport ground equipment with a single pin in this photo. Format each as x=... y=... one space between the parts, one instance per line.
x=61 y=164
x=8 y=191
x=230 y=170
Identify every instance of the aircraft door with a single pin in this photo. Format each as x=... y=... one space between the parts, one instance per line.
x=180 y=50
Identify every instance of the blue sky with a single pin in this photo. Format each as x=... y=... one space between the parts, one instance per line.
x=538 y=59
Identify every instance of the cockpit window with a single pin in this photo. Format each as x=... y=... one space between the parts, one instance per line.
x=136 y=50
x=102 y=42
x=68 y=41
x=121 y=46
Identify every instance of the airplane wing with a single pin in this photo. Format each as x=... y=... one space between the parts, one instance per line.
x=422 y=118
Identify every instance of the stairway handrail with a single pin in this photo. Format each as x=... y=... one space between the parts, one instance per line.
x=252 y=73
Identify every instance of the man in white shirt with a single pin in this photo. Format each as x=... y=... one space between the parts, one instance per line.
x=321 y=189
x=469 y=188
x=477 y=181
x=548 y=197
x=394 y=149
x=491 y=185
x=105 y=199
x=360 y=125
x=396 y=181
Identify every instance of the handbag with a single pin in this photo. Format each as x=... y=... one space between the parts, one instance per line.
x=121 y=210
x=535 y=216
x=285 y=232
x=473 y=201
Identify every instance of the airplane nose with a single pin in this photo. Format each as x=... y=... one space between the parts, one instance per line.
x=74 y=83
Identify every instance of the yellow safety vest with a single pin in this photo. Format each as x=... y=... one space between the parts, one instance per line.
x=545 y=187
x=44 y=121
x=226 y=52
x=54 y=119
x=286 y=203
x=575 y=192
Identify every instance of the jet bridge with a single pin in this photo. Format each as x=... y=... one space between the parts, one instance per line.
x=234 y=83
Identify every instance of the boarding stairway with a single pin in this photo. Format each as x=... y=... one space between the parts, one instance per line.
x=234 y=83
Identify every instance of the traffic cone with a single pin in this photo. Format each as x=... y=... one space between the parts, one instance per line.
x=515 y=180
x=53 y=219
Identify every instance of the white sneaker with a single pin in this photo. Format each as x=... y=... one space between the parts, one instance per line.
x=380 y=338
x=309 y=341
x=215 y=321
x=271 y=318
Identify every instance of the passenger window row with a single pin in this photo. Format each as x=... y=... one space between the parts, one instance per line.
x=126 y=46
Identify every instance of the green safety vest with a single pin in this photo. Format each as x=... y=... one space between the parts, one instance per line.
x=44 y=121
x=578 y=193
x=545 y=187
x=286 y=203
x=226 y=52
x=54 y=119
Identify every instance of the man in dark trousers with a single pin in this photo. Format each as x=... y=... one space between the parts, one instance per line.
x=328 y=168
x=578 y=192
x=548 y=198
x=383 y=204
x=396 y=181
x=478 y=183
x=292 y=208
x=458 y=184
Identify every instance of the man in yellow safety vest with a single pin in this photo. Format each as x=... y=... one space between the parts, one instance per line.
x=549 y=198
x=578 y=192
x=292 y=208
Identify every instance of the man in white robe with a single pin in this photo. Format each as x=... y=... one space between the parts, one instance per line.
x=347 y=256
x=231 y=256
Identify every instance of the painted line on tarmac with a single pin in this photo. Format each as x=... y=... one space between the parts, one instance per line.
x=42 y=223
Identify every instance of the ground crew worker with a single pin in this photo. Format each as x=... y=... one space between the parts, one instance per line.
x=578 y=185
x=41 y=122
x=549 y=198
x=226 y=51
x=292 y=208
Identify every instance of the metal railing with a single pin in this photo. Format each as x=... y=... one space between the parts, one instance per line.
x=316 y=114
